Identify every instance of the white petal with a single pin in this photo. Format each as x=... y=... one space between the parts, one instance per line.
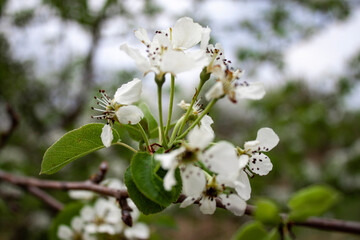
x=234 y=203
x=138 y=231
x=167 y=159
x=129 y=93
x=141 y=62
x=129 y=114
x=243 y=161
x=64 y=232
x=142 y=35
x=113 y=215
x=268 y=139
x=176 y=62
x=205 y=37
x=187 y=202
x=81 y=194
x=205 y=123
x=87 y=213
x=186 y=33
x=222 y=159
x=106 y=228
x=254 y=91
x=77 y=224
x=107 y=135
x=91 y=228
x=194 y=181
x=169 y=179
x=207 y=206
x=242 y=186
x=200 y=138
x=260 y=164
x=251 y=146
x=216 y=91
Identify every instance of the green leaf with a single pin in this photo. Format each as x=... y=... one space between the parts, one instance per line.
x=133 y=131
x=143 y=166
x=152 y=124
x=145 y=205
x=267 y=212
x=254 y=230
x=73 y=145
x=311 y=201
x=64 y=217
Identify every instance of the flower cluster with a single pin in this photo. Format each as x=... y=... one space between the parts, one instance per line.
x=210 y=171
x=102 y=218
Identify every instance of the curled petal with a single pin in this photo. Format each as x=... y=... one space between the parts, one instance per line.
x=194 y=181
x=107 y=135
x=260 y=164
x=242 y=186
x=205 y=123
x=234 y=203
x=199 y=138
x=169 y=179
x=267 y=138
x=253 y=91
x=186 y=33
x=216 y=91
x=129 y=115
x=207 y=205
x=129 y=93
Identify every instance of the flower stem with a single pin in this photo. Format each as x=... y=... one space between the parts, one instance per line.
x=201 y=84
x=144 y=136
x=125 y=145
x=203 y=113
x=172 y=90
x=162 y=134
x=173 y=135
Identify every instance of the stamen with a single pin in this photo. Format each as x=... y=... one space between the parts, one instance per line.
x=101 y=100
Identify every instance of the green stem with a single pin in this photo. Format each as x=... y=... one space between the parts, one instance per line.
x=201 y=84
x=173 y=135
x=172 y=90
x=203 y=113
x=144 y=136
x=163 y=139
x=125 y=145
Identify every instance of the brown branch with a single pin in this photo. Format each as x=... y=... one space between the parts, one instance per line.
x=312 y=222
x=49 y=200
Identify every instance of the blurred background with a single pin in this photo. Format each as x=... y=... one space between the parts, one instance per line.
x=56 y=54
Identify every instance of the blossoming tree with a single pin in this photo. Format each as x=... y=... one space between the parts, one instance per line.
x=177 y=160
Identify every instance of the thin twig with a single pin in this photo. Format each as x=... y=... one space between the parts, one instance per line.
x=49 y=200
x=312 y=222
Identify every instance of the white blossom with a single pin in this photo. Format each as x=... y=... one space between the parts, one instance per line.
x=137 y=231
x=227 y=79
x=165 y=52
x=253 y=155
x=119 y=108
x=74 y=232
x=103 y=217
